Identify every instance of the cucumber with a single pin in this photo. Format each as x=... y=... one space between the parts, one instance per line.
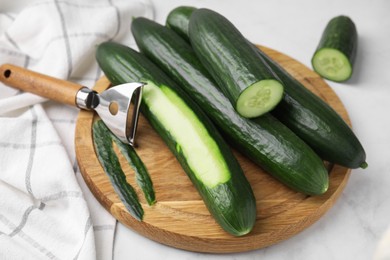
x=265 y=140
x=316 y=122
x=193 y=139
x=177 y=20
x=141 y=173
x=109 y=161
x=336 y=51
x=313 y=120
x=252 y=88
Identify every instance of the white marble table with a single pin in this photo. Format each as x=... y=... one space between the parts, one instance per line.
x=353 y=228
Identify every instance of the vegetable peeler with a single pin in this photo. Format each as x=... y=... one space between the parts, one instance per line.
x=114 y=105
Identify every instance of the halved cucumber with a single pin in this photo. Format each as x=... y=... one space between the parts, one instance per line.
x=332 y=64
x=336 y=51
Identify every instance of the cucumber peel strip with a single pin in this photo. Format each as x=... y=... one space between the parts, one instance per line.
x=111 y=166
x=141 y=173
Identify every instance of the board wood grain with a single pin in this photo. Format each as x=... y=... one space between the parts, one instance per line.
x=180 y=218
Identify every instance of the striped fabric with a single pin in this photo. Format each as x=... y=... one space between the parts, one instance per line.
x=46 y=210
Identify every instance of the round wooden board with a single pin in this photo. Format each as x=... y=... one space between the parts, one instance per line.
x=179 y=218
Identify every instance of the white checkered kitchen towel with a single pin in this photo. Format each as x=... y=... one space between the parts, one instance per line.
x=46 y=210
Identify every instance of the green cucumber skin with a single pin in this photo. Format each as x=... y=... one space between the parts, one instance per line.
x=141 y=173
x=335 y=142
x=177 y=20
x=341 y=34
x=232 y=204
x=225 y=53
x=264 y=140
x=316 y=122
x=110 y=163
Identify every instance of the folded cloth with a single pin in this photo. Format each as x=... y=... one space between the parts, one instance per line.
x=46 y=209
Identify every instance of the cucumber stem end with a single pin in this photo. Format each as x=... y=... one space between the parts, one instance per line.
x=364 y=165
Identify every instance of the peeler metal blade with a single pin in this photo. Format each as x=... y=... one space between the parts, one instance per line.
x=115 y=108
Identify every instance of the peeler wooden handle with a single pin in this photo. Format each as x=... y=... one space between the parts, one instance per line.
x=45 y=86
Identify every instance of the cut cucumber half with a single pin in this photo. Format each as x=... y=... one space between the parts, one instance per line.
x=259 y=98
x=336 y=51
x=332 y=64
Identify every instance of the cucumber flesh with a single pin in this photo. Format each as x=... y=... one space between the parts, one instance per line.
x=332 y=64
x=201 y=151
x=259 y=98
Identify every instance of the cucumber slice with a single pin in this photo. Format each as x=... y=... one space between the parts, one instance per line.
x=336 y=51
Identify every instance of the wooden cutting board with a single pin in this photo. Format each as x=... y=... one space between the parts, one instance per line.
x=180 y=218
